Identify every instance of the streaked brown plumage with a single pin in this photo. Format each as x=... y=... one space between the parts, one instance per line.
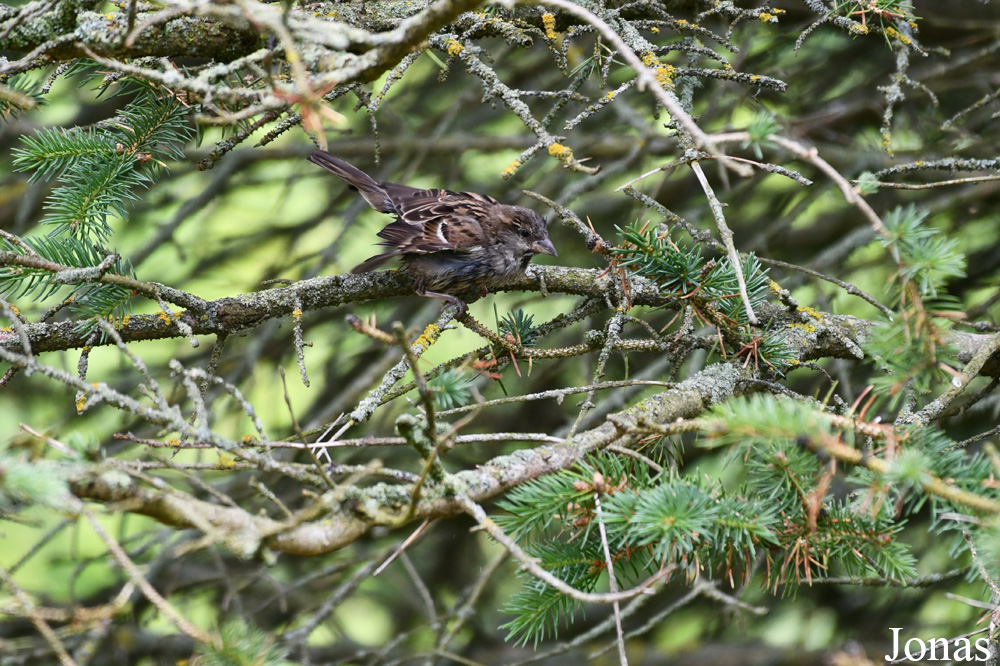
x=455 y=244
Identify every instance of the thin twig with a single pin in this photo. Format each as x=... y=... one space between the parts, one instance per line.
x=940 y=183
x=612 y=581
x=27 y=607
x=154 y=597
x=726 y=234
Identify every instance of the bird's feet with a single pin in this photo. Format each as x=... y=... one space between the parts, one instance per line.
x=454 y=300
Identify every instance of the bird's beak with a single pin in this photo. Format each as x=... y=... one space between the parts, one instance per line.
x=544 y=246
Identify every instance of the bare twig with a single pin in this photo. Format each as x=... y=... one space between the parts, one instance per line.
x=148 y=590
x=612 y=581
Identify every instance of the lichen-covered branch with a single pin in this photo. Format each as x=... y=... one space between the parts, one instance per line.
x=338 y=519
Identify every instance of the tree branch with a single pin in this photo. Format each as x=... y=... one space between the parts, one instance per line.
x=336 y=522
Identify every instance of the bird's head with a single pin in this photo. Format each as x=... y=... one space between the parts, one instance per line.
x=528 y=234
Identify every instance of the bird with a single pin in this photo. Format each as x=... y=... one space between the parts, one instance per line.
x=455 y=244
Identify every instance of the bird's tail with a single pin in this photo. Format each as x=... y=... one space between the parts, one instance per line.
x=371 y=190
x=371 y=263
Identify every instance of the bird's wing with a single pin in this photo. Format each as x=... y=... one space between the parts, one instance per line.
x=436 y=220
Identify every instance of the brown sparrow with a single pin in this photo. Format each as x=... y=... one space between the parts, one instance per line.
x=455 y=244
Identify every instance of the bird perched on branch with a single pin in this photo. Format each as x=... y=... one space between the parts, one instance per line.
x=455 y=244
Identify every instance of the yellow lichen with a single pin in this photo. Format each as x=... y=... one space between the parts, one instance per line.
x=13 y=308
x=549 y=22
x=428 y=337
x=510 y=169
x=248 y=439
x=560 y=152
x=665 y=76
x=225 y=461
x=81 y=402
x=649 y=59
x=655 y=30
x=611 y=95
x=297 y=314
x=892 y=33
x=454 y=47
x=808 y=328
x=164 y=317
x=766 y=18
x=859 y=29
x=754 y=78
x=812 y=312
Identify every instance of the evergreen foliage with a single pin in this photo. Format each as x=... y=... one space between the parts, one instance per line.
x=451 y=389
x=910 y=349
x=672 y=521
x=25 y=483
x=518 y=327
x=691 y=281
x=98 y=173
x=242 y=645
x=761 y=126
x=88 y=300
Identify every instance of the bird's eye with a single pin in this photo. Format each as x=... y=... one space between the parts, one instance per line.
x=524 y=232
